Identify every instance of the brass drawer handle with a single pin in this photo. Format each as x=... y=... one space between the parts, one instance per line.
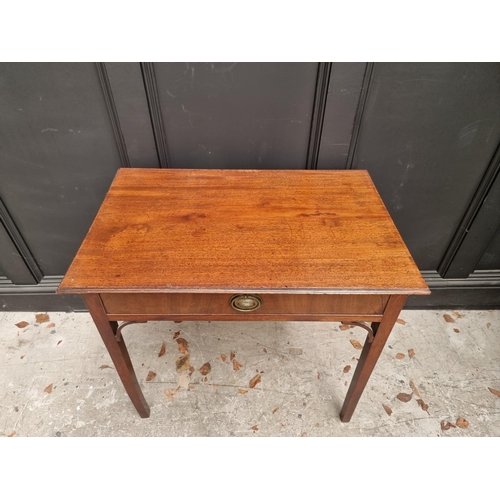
x=245 y=303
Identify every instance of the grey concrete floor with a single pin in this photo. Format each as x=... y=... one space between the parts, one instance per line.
x=58 y=380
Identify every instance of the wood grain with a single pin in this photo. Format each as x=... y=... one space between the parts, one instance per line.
x=243 y=230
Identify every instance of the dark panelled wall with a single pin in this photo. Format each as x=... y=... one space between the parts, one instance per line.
x=428 y=133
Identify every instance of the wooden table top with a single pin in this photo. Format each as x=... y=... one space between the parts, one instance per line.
x=256 y=231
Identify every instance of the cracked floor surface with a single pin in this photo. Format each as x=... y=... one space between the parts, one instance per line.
x=438 y=369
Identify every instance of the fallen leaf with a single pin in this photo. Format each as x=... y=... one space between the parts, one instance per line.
x=232 y=355
x=422 y=405
x=42 y=318
x=356 y=344
x=59 y=342
x=191 y=370
x=102 y=367
x=254 y=428
x=205 y=369
x=12 y=434
x=151 y=375
x=254 y=381
x=182 y=363
x=170 y=395
x=387 y=409
x=446 y=425
x=236 y=365
x=401 y=321
x=462 y=423
x=22 y=357
x=345 y=327
x=163 y=348
x=183 y=345
x=183 y=380
x=457 y=314
x=295 y=351
x=411 y=353
x=400 y=355
x=414 y=389
x=488 y=325
x=22 y=324
x=402 y=396
x=51 y=325
x=177 y=321
x=242 y=391
x=176 y=334
x=494 y=391
x=264 y=350
x=48 y=389
x=223 y=357
x=275 y=410
x=456 y=330
x=346 y=368
x=448 y=318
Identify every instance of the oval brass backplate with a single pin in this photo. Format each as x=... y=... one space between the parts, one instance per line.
x=245 y=303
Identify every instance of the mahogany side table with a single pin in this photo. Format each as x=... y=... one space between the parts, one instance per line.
x=248 y=245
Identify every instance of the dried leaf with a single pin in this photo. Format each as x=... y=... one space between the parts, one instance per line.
x=411 y=353
x=347 y=368
x=488 y=325
x=275 y=410
x=254 y=381
x=182 y=363
x=12 y=434
x=356 y=344
x=264 y=350
x=232 y=355
x=22 y=357
x=400 y=355
x=457 y=314
x=223 y=357
x=177 y=321
x=345 y=327
x=176 y=334
x=242 y=391
x=494 y=391
x=456 y=330
x=22 y=324
x=150 y=376
x=401 y=321
x=462 y=423
x=48 y=389
x=183 y=380
x=42 y=318
x=205 y=369
x=170 y=395
x=402 y=396
x=163 y=348
x=183 y=345
x=102 y=367
x=236 y=365
x=254 y=428
x=59 y=342
x=387 y=409
x=414 y=389
x=422 y=405
x=446 y=425
x=448 y=318
x=191 y=370
x=51 y=325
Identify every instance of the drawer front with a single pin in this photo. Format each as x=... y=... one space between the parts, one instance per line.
x=202 y=304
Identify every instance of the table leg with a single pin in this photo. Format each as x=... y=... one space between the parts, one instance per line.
x=370 y=355
x=118 y=352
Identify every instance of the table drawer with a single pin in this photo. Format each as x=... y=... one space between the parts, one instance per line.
x=217 y=305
